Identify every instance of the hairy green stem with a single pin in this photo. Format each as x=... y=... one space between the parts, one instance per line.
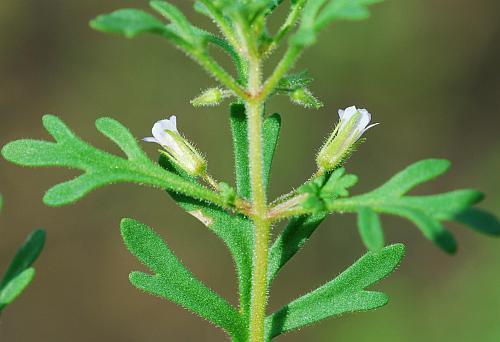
x=290 y=21
x=222 y=22
x=283 y=66
x=220 y=74
x=262 y=225
x=254 y=109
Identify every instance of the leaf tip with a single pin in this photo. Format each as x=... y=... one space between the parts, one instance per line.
x=447 y=242
x=55 y=197
x=442 y=164
x=126 y=225
x=7 y=150
x=399 y=248
x=47 y=119
x=102 y=122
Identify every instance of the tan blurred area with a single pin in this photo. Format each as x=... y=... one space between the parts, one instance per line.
x=428 y=71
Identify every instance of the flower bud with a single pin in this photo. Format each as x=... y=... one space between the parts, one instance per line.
x=210 y=97
x=177 y=149
x=353 y=123
x=304 y=97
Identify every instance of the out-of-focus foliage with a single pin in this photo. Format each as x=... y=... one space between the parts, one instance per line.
x=19 y=274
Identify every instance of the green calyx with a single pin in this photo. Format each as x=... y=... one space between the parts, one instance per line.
x=340 y=144
x=182 y=153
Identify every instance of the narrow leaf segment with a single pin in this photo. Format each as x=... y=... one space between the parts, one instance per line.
x=19 y=274
x=345 y=293
x=426 y=212
x=171 y=280
x=100 y=168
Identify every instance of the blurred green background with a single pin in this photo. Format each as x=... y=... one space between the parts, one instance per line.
x=429 y=71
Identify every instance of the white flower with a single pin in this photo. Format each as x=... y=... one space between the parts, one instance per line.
x=361 y=124
x=178 y=149
x=353 y=123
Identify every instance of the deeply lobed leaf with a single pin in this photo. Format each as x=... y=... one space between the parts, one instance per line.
x=171 y=280
x=100 y=168
x=345 y=293
x=324 y=189
x=234 y=230
x=180 y=32
x=426 y=212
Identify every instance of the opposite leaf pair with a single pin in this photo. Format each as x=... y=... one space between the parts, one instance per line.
x=324 y=195
x=172 y=281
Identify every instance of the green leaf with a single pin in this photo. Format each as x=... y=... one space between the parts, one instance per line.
x=179 y=21
x=130 y=23
x=290 y=241
x=479 y=220
x=346 y=293
x=319 y=13
x=172 y=281
x=25 y=256
x=100 y=168
x=344 y=10
x=370 y=229
x=295 y=81
x=426 y=212
x=337 y=184
x=270 y=131
x=310 y=13
x=239 y=131
x=16 y=286
x=228 y=193
x=413 y=175
x=235 y=231
x=431 y=228
x=239 y=128
x=323 y=190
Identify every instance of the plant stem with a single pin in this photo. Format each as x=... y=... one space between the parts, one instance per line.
x=254 y=109
x=221 y=21
x=290 y=21
x=284 y=65
x=220 y=74
x=257 y=94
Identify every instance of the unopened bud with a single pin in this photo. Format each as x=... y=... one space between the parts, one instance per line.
x=304 y=97
x=210 y=97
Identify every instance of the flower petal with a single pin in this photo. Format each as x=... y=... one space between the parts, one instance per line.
x=349 y=112
x=365 y=118
x=151 y=139
x=161 y=131
x=372 y=125
x=167 y=124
